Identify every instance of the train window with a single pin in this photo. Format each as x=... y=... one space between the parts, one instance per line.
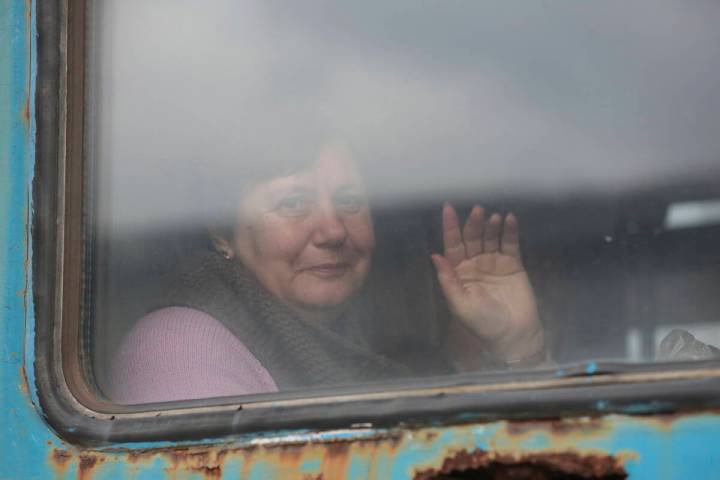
x=288 y=197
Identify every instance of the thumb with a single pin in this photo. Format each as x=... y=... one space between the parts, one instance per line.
x=449 y=281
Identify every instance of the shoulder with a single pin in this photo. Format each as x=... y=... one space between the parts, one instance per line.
x=179 y=323
x=181 y=353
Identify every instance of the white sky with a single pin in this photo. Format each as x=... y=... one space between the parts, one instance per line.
x=540 y=98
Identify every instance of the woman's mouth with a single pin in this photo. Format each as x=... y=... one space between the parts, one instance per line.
x=328 y=270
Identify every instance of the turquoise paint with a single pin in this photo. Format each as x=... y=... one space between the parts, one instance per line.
x=26 y=439
x=415 y=457
x=233 y=468
x=263 y=470
x=358 y=469
x=537 y=441
x=688 y=449
x=153 y=470
x=311 y=465
x=591 y=368
x=483 y=434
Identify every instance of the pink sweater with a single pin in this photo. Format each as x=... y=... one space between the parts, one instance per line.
x=179 y=353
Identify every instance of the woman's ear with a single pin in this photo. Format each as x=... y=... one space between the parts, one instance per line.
x=221 y=244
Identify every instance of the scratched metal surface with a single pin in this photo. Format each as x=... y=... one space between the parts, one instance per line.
x=653 y=447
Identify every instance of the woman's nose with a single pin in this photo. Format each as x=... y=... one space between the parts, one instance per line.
x=330 y=230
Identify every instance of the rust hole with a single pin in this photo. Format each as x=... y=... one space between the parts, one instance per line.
x=481 y=465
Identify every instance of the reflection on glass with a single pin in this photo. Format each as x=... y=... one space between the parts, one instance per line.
x=693 y=214
x=288 y=196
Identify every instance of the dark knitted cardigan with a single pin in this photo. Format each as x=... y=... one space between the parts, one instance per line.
x=296 y=352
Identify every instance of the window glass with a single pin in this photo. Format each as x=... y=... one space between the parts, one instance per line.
x=290 y=195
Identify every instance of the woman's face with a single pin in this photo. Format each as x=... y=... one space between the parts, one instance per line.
x=308 y=236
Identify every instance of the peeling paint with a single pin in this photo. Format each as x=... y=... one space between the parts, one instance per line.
x=609 y=447
x=87 y=465
x=25 y=113
x=558 y=426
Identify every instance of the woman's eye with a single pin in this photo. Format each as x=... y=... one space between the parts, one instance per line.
x=294 y=206
x=349 y=203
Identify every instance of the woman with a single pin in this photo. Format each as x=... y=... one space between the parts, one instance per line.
x=280 y=303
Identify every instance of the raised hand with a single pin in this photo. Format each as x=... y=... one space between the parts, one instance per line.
x=487 y=289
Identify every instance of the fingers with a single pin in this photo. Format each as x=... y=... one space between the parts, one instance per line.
x=491 y=234
x=478 y=236
x=510 y=236
x=473 y=232
x=452 y=238
x=448 y=279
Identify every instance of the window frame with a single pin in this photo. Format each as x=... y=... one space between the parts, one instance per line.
x=60 y=221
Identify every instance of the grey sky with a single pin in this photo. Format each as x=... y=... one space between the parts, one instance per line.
x=538 y=97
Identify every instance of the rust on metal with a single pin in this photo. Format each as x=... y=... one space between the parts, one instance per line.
x=557 y=426
x=23 y=385
x=539 y=466
x=333 y=457
x=87 y=463
x=207 y=463
x=452 y=451
x=336 y=459
x=61 y=458
x=25 y=113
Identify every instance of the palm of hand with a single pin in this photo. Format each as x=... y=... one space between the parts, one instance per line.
x=484 y=281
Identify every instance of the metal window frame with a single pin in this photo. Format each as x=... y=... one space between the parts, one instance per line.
x=77 y=414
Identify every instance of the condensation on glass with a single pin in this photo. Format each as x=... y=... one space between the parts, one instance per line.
x=595 y=123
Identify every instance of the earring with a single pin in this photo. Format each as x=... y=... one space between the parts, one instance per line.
x=226 y=255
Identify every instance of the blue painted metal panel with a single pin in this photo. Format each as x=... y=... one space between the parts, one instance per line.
x=650 y=447
x=25 y=437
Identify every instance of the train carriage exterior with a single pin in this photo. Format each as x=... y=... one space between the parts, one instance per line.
x=593 y=421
